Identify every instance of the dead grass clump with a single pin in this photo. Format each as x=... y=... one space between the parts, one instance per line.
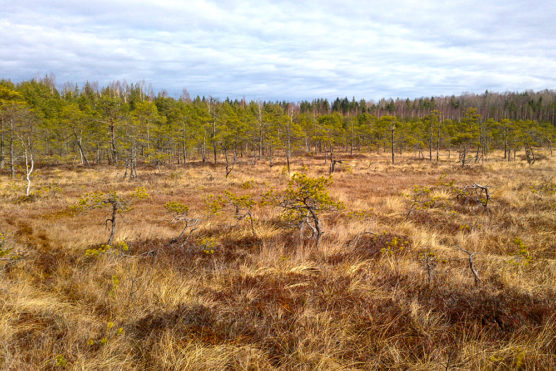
x=368 y=245
x=500 y=312
x=189 y=322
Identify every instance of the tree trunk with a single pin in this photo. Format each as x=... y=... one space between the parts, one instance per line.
x=288 y=147
x=28 y=170
x=430 y=143
x=438 y=144
x=317 y=226
x=113 y=144
x=351 y=140
x=184 y=149
x=214 y=139
x=113 y=220
x=12 y=155
x=260 y=142
x=81 y=152
x=505 y=144
x=392 y=144
x=204 y=148
x=2 y=155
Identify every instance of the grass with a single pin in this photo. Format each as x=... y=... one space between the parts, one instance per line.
x=361 y=301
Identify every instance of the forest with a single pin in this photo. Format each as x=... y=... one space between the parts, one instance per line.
x=144 y=232
x=122 y=124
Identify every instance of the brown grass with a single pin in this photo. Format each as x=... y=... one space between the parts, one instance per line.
x=361 y=301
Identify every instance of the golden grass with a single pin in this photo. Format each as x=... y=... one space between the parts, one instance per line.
x=273 y=301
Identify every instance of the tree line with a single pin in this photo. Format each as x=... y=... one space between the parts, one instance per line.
x=123 y=124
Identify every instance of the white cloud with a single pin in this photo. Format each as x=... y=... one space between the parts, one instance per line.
x=286 y=49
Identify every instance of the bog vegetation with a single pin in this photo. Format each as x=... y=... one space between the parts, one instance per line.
x=143 y=232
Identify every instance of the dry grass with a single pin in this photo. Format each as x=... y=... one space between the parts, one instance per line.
x=361 y=301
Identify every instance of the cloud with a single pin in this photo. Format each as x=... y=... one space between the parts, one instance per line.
x=285 y=49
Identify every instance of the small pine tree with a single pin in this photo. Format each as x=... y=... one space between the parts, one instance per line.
x=305 y=198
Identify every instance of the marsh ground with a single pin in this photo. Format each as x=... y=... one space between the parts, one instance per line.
x=359 y=301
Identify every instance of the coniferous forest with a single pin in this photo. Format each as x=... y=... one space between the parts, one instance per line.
x=122 y=124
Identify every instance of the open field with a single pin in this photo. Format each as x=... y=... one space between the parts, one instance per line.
x=225 y=299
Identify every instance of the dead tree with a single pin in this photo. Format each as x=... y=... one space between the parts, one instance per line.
x=229 y=166
x=430 y=263
x=29 y=166
x=180 y=212
x=472 y=266
x=117 y=205
x=190 y=223
x=474 y=193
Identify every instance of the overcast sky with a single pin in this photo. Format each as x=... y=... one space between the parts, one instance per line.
x=285 y=49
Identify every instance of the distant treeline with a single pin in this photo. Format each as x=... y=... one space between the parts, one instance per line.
x=125 y=123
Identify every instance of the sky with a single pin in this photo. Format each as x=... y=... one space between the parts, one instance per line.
x=285 y=50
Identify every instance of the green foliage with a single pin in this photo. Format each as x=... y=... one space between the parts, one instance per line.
x=304 y=192
x=140 y=193
x=176 y=207
x=4 y=251
x=90 y=200
x=60 y=361
x=240 y=202
x=248 y=184
x=48 y=190
x=391 y=244
x=117 y=249
x=522 y=255
x=8 y=253
x=545 y=187
x=98 y=199
x=208 y=244
x=213 y=204
x=426 y=198
x=111 y=332
x=360 y=215
x=128 y=125
x=303 y=200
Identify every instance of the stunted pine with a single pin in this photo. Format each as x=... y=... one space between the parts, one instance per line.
x=304 y=199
